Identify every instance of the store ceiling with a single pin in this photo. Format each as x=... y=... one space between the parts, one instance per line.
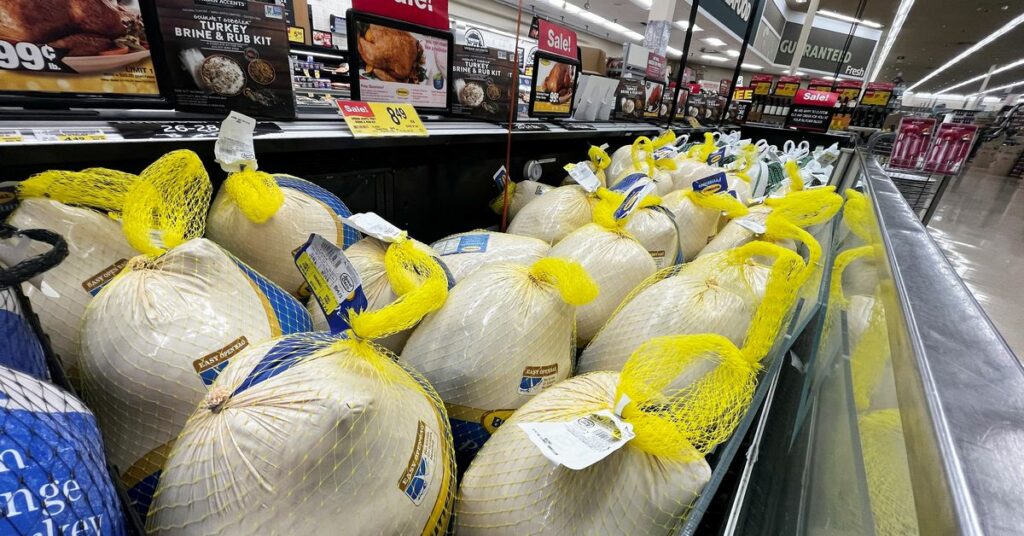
x=934 y=32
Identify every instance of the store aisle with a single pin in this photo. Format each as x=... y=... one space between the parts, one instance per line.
x=979 y=224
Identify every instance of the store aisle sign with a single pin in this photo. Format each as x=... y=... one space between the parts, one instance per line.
x=378 y=119
x=825 y=50
x=734 y=14
x=557 y=40
x=429 y=13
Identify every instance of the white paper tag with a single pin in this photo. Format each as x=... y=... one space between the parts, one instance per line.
x=373 y=225
x=582 y=442
x=751 y=225
x=234 y=148
x=582 y=174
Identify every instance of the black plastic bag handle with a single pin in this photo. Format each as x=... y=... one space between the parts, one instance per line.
x=33 y=266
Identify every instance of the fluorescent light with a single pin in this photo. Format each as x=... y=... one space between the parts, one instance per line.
x=752 y=67
x=711 y=57
x=1000 y=88
x=645 y=4
x=846 y=18
x=571 y=9
x=633 y=35
x=1006 y=67
x=714 y=41
x=732 y=53
x=894 y=31
x=978 y=46
x=592 y=17
x=801 y=73
x=990 y=99
x=675 y=52
x=684 y=24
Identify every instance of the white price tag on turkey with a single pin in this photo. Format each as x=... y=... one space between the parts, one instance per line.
x=582 y=174
x=234 y=148
x=582 y=442
x=751 y=225
x=371 y=224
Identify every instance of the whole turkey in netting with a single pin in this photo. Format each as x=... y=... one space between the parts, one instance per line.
x=464 y=253
x=262 y=219
x=520 y=194
x=555 y=214
x=155 y=339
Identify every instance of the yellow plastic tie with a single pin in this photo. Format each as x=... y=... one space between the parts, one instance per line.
x=422 y=288
x=684 y=422
x=857 y=216
x=256 y=193
x=498 y=203
x=599 y=157
x=796 y=182
x=785 y=280
x=665 y=138
x=609 y=201
x=843 y=260
x=98 y=188
x=169 y=201
x=721 y=201
x=569 y=277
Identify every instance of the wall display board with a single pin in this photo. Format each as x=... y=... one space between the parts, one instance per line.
x=88 y=47
x=225 y=56
x=555 y=67
x=482 y=82
x=825 y=49
x=399 y=62
x=811 y=110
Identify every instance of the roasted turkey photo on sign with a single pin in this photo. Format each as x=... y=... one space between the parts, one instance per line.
x=88 y=35
x=391 y=55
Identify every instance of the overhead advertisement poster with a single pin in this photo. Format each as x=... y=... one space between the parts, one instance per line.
x=80 y=46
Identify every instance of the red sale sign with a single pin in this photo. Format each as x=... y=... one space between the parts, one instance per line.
x=431 y=13
x=557 y=40
x=354 y=108
x=820 y=99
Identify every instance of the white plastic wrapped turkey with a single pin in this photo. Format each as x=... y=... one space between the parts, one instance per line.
x=555 y=214
x=697 y=217
x=262 y=219
x=505 y=334
x=520 y=194
x=463 y=253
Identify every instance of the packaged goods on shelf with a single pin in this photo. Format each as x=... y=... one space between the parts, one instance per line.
x=369 y=257
x=615 y=260
x=262 y=219
x=505 y=334
x=54 y=473
x=326 y=431
x=97 y=251
x=697 y=217
x=520 y=194
x=555 y=214
x=464 y=253
x=159 y=333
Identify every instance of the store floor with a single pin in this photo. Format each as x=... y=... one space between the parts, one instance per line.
x=979 y=224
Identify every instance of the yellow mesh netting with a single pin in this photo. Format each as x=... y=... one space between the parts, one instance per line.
x=722 y=201
x=888 y=475
x=702 y=151
x=571 y=280
x=168 y=202
x=256 y=193
x=99 y=188
x=498 y=203
x=642 y=154
x=599 y=157
x=869 y=357
x=857 y=216
x=796 y=182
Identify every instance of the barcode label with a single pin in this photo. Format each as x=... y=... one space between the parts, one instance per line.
x=582 y=442
x=333 y=281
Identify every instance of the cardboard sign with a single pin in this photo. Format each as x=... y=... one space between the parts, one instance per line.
x=656 y=64
x=743 y=93
x=877 y=94
x=762 y=83
x=684 y=94
x=723 y=87
x=812 y=110
x=787 y=86
x=555 y=39
x=429 y=13
x=630 y=97
x=377 y=119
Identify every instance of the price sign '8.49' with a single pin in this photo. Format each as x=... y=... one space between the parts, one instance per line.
x=376 y=119
x=25 y=56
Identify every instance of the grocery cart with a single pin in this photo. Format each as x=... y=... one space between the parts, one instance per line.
x=921 y=189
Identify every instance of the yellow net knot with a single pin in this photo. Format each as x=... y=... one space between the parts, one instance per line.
x=569 y=277
x=720 y=201
x=804 y=208
x=796 y=182
x=665 y=138
x=169 y=202
x=421 y=286
x=599 y=157
x=685 y=394
x=256 y=193
x=641 y=152
x=216 y=398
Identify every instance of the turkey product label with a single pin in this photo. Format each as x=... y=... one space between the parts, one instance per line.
x=474 y=243
x=96 y=282
x=536 y=379
x=415 y=480
x=581 y=442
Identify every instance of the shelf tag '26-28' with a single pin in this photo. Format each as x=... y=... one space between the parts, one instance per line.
x=378 y=119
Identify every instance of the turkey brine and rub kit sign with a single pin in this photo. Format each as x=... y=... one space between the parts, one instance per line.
x=74 y=46
x=482 y=82
x=227 y=55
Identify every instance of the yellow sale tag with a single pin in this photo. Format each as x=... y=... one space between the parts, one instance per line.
x=296 y=34
x=11 y=137
x=875 y=97
x=81 y=137
x=378 y=119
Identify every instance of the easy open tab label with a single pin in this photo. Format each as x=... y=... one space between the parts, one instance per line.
x=581 y=442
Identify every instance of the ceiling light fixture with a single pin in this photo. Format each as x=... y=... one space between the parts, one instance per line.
x=714 y=41
x=675 y=52
x=645 y=4
x=894 y=31
x=846 y=18
x=978 y=46
x=711 y=57
x=752 y=67
x=982 y=76
x=1000 y=88
x=801 y=73
x=684 y=24
x=732 y=53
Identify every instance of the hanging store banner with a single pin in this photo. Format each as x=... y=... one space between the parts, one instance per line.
x=429 y=13
x=656 y=65
x=75 y=48
x=824 y=50
x=557 y=40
